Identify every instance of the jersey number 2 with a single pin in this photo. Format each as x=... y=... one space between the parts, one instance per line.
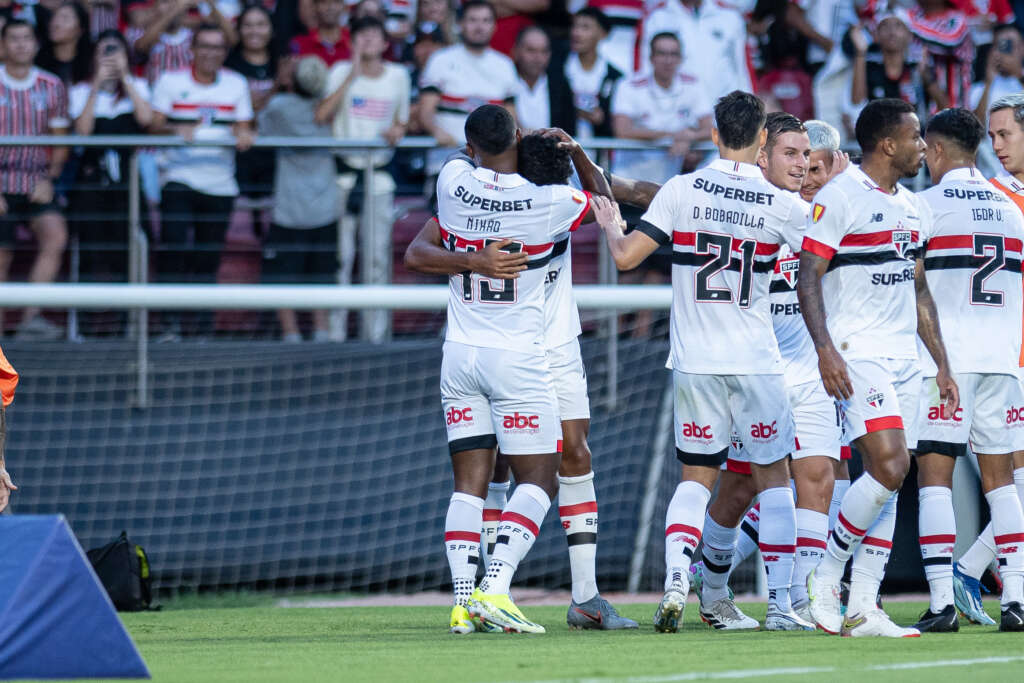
x=720 y=246
x=992 y=247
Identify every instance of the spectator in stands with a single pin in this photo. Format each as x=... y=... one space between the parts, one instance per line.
x=592 y=78
x=32 y=102
x=111 y=102
x=512 y=17
x=543 y=95
x=166 y=43
x=104 y=15
x=621 y=26
x=328 y=40
x=669 y=104
x=945 y=35
x=714 y=42
x=67 y=50
x=302 y=243
x=1004 y=71
x=434 y=15
x=204 y=103
x=785 y=81
x=368 y=100
x=815 y=20
x=983 y=16
x=254 y=58
x=459 y=78
x=885 y=68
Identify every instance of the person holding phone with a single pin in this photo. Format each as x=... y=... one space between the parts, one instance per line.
x=1004 y=71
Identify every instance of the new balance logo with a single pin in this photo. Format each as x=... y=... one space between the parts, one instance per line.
x=455 y=415
x=518 y=421
x=695 y=431
x=764 y=431
x=877 y=217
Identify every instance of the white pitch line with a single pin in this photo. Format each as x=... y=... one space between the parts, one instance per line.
x=791 y=671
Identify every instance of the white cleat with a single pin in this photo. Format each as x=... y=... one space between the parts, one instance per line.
x=724 y=615
x=670 y=610
x=803 y=610
x=875 y=623
x=824 y=603
x=777 y=620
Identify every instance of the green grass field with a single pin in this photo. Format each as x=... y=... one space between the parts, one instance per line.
x=253 y=644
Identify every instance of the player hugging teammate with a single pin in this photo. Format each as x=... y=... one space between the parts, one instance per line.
x=796 y=327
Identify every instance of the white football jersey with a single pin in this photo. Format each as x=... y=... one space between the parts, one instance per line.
x=725 y=223
x=871 y=239
x=799 y=359
x=972 y=262
x=477 y=206
x=561 y=315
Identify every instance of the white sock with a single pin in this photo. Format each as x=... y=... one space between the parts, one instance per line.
x=811 y=539
x=746 y=540
x=979 y=556
x=1008 y=530
x=860 y=508
x=517 y=530
x=577 y=508
x=497 y=496
x=936 y=527
x=716 y=553
x=462 y=543
x=839 y=490
x=1018 y=480
x=868 y=568
x=684 y=521
x=777 y=543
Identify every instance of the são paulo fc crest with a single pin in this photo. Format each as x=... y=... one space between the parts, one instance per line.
x=817 y=211
x=875 y=398
x=901 y=240
x=789 y=268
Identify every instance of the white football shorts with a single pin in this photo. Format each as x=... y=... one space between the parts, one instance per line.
x=569 y=377
x=886 y=395
x=990 y=416
x=709 y=407
x=818 y=419
x=498 y=397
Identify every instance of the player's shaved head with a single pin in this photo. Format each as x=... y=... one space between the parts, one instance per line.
x=490 y=129
x=542 y=161
x=879 y=120
x=959 y=127
x=739 y=118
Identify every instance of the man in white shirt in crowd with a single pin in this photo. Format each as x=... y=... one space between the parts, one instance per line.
x=667 y=103
x=206 y=103
x=459 y=78
x=543 y=96
x=369 y=99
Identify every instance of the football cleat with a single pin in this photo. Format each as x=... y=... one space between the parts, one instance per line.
x=596 y=613
x=697 y=580
x=498 y=609
x=875 y=623
x=460 y=623
x=824 y=603
x=724 y=615
x=803 y=610
x=945 y=621
x=670 y=610
x=967 y=596
x=1012 y=617
x=777 y=620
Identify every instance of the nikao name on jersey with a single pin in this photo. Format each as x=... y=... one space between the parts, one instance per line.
x=474 y=200
x=483 y=224
x=740 y=218
x=974 y=195
x=735 y=193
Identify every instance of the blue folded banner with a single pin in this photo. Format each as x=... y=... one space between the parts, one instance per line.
x=56 y=620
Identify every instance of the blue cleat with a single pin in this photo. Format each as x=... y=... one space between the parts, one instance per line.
x=967 y=596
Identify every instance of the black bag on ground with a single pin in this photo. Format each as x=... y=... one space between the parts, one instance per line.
x=123 y=569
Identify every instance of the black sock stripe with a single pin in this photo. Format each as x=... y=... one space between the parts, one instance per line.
x=490 y=548
x=581 y=538
x=710 y=566
x=473 y=559
x=688 y=551
x=843 y=545
x=749 y=530
x=1002 y=561
x=946 y=561
x=501 y=539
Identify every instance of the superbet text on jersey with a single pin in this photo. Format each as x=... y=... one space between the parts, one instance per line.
x=494 y=356
x=871 y=239
x=973 y=258
x=725 y=223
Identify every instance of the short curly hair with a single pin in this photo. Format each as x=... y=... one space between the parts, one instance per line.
x=542 y=161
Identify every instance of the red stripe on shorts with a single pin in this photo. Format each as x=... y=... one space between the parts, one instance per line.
x=877 y=424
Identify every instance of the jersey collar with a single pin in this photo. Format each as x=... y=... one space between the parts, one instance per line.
x=865 y=180
x=966 y=173
x=1010 y=183
x=502 y=180
x=737 y=168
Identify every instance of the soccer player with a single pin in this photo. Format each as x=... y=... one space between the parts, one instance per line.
x=827 y=161
x=495 y=378
x=542 y=161
x=978 y=233
x=726 y=223
x=863 y=238
x=1006 y=130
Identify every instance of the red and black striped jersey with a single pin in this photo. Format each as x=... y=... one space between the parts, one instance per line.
x=34 y=105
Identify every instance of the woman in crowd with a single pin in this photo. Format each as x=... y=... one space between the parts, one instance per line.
x=111 y=101
x=67 y=50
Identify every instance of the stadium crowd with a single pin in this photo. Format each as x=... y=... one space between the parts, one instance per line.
x=384 y=69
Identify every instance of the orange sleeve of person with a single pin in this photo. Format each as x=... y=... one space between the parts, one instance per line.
x=8 y=379
x=1019 y=201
